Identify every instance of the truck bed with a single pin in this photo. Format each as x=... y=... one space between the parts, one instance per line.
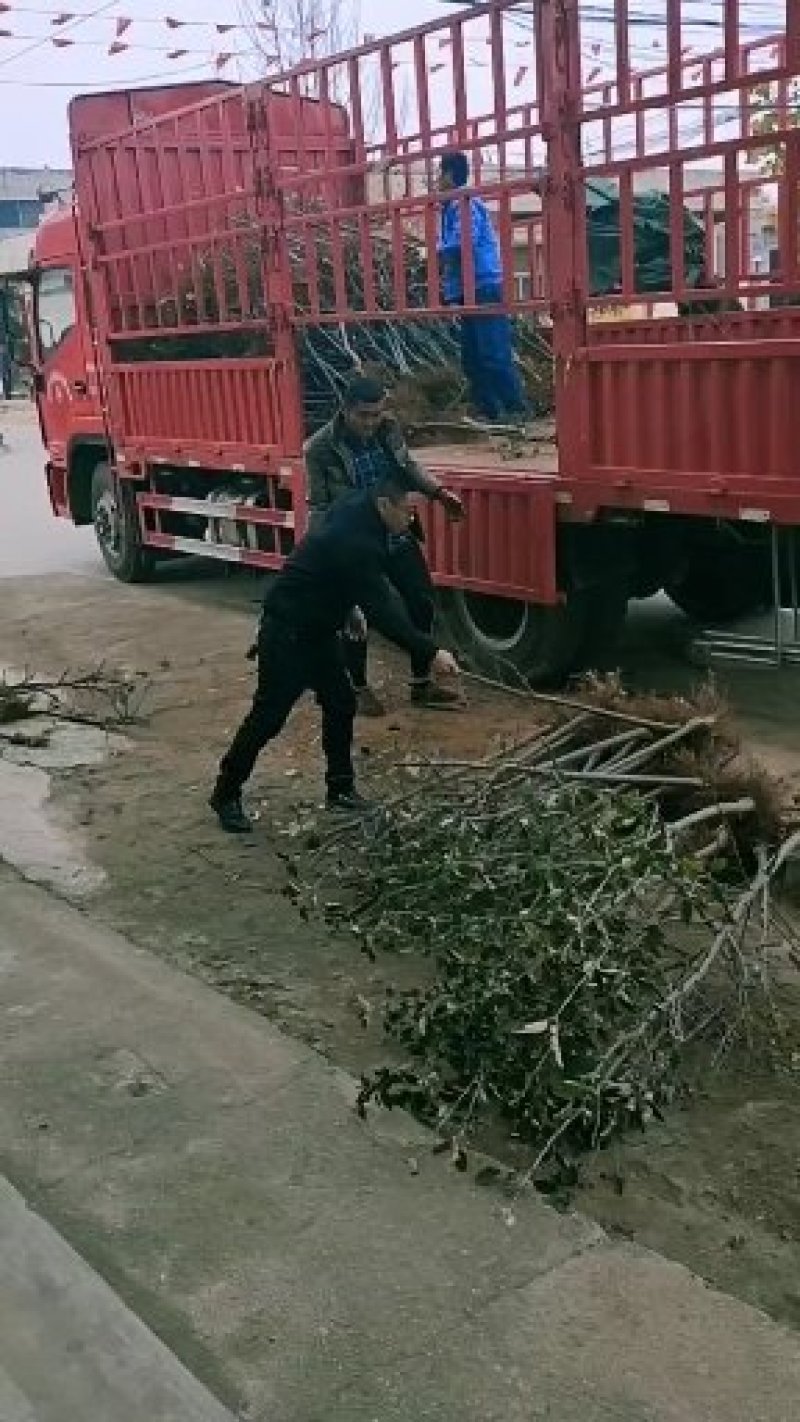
x=504 y=452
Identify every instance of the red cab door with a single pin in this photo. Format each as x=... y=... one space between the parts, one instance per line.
x=68 y=394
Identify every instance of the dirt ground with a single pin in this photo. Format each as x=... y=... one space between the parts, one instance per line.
x=716 y=1187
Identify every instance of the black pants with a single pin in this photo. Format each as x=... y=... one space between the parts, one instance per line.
x=408 y=574
x=288 y=665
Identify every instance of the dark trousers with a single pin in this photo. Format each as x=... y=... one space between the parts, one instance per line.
x=487 y=357
x=288 y=665
x=409 y=576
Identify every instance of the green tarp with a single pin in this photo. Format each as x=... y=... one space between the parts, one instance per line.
x=651 y=224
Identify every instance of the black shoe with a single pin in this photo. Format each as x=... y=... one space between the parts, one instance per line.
x=229 y=812
x=349 y=802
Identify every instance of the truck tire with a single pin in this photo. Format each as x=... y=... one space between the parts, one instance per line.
x=515 y=641
x=722 y=583
x=117 y=528
x=606 y=611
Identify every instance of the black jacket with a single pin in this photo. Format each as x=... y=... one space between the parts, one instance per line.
x=339 y=565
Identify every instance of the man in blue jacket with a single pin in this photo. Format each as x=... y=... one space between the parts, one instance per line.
x=487 y=354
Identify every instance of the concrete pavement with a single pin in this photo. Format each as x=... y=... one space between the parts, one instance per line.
x=306 y=1267
x=69 y=1350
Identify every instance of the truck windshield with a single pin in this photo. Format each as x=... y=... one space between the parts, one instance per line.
x=55 y=308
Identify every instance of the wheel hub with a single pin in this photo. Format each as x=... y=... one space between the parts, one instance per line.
x=107 y=522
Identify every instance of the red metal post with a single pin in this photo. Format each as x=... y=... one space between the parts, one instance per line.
x=732 y=230
x=789 y=216
x=565 y=217
x=459 y=82
x=677 y=232
x=708 y=103
x=626 y=242
x=674 y=31
x=732 y=48
x=430 y=210
x=499 y=86
x=277 y=272
x=709 y=232
x=792 y=37
x=622 y=37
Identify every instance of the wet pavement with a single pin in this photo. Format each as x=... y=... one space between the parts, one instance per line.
x=34 y=838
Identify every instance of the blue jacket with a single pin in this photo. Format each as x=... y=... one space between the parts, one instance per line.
x=486 y=256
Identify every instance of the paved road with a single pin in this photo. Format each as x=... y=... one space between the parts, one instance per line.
x=216 y=1170
x=70 y=1350
x=32 y=541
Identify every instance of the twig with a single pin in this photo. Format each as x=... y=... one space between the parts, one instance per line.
x=681 y=733
x=684 y=989
x=709 y=812
x=715 y=846
x=616 y=777
x=570 y=702
x=597 y=748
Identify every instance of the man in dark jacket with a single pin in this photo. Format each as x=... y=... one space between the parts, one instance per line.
x=358 y=449
x=336 y=576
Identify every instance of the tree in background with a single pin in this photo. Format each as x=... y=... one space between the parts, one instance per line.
x=768 y=119
x=289 y=32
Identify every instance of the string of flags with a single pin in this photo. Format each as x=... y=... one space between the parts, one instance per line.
x=123 y=22
x=600 y=55
x=122 y=41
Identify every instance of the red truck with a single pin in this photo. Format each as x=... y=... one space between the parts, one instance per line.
x=215 y=225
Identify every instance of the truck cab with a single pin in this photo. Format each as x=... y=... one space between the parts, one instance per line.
x=66 y=383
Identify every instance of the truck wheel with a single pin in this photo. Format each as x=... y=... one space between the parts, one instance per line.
x=606 y=611
x=117 y=529
x=514 y=640
x=722 y=584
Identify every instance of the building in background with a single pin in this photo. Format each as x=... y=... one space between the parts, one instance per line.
x=27 y=193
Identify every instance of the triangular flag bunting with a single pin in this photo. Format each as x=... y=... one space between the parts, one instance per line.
x=123 y=24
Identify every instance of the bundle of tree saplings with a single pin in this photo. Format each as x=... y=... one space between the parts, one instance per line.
x=417 y=354
x=585 y=907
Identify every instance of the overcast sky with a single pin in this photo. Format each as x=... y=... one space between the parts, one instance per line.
x=37 y=79
x=36 y=86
